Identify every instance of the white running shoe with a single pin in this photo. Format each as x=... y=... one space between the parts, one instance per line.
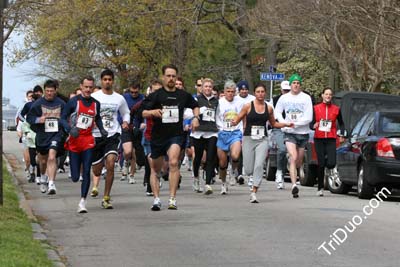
x=208 y=189
x=82 y=207
x=43 y=187
x=125 y=170
x=131 y=179
x=224 y=189
x=80 y=178
x=320 y=193
x=232 y=180
x=279 y=180
x=52 y=189
x=37 y=180
x=156 y=204
x=43 y=183
x=196 y=184
x=250 y=183
x=253 y=198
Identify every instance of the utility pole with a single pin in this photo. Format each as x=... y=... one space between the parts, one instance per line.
x=3 y=5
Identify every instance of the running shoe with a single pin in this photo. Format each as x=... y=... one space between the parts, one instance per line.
x=37 y=180
x=224 y=189
x=82 y=207
x=240 y=179
x=52 y=189
x=61 y=170
x=43 y=187
x=295 y=191
x=131 y=179
x=250 y=183
x=106 y=203
x=208 y=190
x=196 y=184
x=156 y=204
x=320 y=193
x=94 y=192
x=172 y=204
x=80 y=178
x=253 y=198
x=279 y=180
x=232 y=180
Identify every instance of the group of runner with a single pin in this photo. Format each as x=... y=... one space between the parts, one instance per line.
x=227 y=134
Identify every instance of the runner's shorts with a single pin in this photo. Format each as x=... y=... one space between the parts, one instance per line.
x=160 y=147
x=227 y=138
x=105 y=147
x=300 y=140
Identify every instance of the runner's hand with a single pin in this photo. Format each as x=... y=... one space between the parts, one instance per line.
x=156 y=113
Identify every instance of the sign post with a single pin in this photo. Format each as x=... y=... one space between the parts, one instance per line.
x=270 y=76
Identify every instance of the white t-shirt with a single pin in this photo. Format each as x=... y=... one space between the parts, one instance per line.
x=248 y=98
x=298 y=109
x=227 y=111
x=109 y=107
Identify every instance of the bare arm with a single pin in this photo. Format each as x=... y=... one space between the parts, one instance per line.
x=273 y=121
x=243 y=112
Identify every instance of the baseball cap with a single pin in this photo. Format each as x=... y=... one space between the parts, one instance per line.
x=285 y=85
x=243 y=85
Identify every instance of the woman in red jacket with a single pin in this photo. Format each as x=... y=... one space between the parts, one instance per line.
x=326 y=114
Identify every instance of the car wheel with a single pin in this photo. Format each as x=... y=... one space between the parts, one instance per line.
x=364 y=190
x=270 y=171
x=310 y=173
x=335 y=185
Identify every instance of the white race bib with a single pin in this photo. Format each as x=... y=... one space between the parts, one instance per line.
x=325 y=125
x=84 y=121
x=209 y=115
x=170 y=114
x=257 y=132
x=228 y=125
x=107 y=124
x=51 y=125
x=294 y=116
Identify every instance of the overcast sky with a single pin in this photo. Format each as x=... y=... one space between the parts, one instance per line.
x=16 y=80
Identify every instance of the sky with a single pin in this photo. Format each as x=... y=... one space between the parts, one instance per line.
x=17 y=80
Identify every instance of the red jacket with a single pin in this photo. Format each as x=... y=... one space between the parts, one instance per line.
x=329 y=113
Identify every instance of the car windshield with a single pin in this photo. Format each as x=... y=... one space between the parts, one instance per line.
x=389 y=124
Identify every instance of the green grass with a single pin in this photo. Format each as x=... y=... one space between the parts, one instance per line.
x=17 y=246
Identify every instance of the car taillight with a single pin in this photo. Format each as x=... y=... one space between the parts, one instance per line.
x=384 y=148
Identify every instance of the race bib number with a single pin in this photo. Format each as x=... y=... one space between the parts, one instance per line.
x=257 y=132
x=325 y=125
x=228 y=125
x=294 y=116
x=84 y=121
x=107 y=124
x=209 y=115
x=170 y=114
x=51 y=125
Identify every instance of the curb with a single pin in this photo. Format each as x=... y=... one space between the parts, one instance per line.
x=38 y=232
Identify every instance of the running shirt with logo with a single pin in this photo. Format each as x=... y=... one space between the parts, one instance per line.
x=298 y=109
x=172 y=105
x=49 y=130
x=227 y=111
x=82 y=113
x=109 y=108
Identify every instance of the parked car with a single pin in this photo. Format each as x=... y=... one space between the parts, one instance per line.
x=370 y=158
x=353 y=106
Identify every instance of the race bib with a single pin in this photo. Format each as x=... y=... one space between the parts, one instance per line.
x=325 y=125
x=294 y=116
x=84 y=121
x=228 y=125
x=209 y=115
x=170 y=114
x=257 y=132
x=107 y=124
x=51 y=125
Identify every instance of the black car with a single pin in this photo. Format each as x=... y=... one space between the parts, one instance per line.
x=370 y=158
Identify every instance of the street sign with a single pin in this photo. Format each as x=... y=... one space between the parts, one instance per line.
x=267 y=76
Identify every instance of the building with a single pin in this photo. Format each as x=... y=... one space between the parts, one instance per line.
x=9 y=113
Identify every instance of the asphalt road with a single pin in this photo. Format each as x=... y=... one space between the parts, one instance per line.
x=214 y=230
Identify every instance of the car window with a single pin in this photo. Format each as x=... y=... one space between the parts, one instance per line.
x=368 y=124
x=389 y=124
x=357 y=128
x=361 y=106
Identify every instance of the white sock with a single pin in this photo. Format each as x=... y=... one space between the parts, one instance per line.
x=51 y=183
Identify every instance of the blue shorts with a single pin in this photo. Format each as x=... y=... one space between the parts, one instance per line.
x=160 y=147
x=226 y=139
x=300 y=140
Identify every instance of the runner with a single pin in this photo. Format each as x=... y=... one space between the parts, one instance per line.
x=298 y=109
x=132 y=97
x=44 y=118
x=229 y=136
x=255 y=140
x=325 y=135
x=82 y=111
x=166 y=107
x=105 y=151
x=205 y=138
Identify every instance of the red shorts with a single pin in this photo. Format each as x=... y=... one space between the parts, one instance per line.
x=79 y=144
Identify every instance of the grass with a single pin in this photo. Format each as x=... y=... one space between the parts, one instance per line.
x=17 y=246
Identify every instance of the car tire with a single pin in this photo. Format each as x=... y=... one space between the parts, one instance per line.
x=310 y=173
x=364 y=190
x=336 y=186
x=270 y=171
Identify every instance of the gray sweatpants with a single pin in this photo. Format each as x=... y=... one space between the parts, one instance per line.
x=254 y=154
